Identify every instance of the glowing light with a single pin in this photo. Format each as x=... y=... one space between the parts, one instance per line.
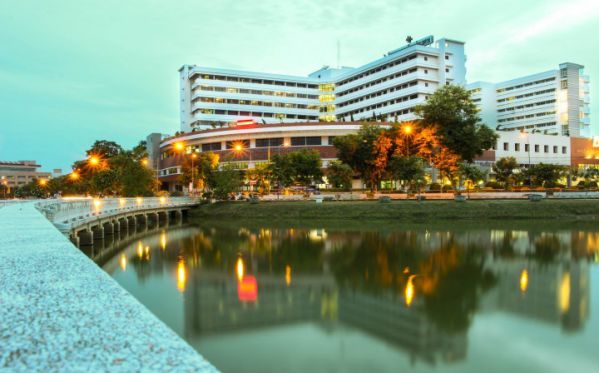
x=523 y=134
x=181 y=275
x=139 y=200
x=409 y=291
x=42 y=182
x=97 y=204
x=147 y=250
x=144 y=161
x=123 y=262
x=122 y=202
x=163 y=240
x=238 y=147
x=74 y=175
x=288 y=275
x=407 y=129
x=162 y=200
x=179 y=146
x=524 y=280
x=194 y=156
x=239 y=269
x=285 y=144
x=94 y=160
x=564 y=293
x=244 y=122
x=140 y=248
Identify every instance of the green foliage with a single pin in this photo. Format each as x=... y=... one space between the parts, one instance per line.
x=471 y=173
x=302 y=167
x=408 y=170
x=359 y=151
x=31 y=189
x=105 y=149
x=199 y=169
x=454 y=116
x=504 y=170
x=340 y=175
x=545 y=175
x=225 y=181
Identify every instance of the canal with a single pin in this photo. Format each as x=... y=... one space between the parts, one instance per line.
x=254 y=297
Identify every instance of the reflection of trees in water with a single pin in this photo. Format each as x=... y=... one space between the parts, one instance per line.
x=450 y=278
x=453 y=281
x=546 y=248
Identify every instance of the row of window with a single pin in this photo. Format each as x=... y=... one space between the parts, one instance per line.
x=380 y=93
x=260 y=143
x=526 y=116
x=234 y=101
x=383 y=104
x=256 y=114
x=257 y=92
x=500 y=90
x=526 y=106
x=527 y=95
x=257 y=81
x=517 y=148
x=377 y=69
x=378 y=81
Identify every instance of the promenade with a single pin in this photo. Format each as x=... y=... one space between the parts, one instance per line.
x=60 y=312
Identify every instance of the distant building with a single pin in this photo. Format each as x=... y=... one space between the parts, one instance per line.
x=390 y=86
x=554 y=102
x=20 y=173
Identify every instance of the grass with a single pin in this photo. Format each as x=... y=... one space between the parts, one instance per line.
x=409 y=211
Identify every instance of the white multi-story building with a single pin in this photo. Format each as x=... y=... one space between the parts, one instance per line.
x=553 y=102
x=388 y=87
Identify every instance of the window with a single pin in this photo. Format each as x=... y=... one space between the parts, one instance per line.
x=446 y=70
x=506 y=146
x=331 y=140
x=298 y=141
x=564 y=150
x=264 y=143
x=211 y=146
x=555 y=150
x=314 y=140
x=426 y=84
x=426 y=71
x=536 y=148
x=563 y=73
x=564 y=84
x=425 y=58
x=517 y=147
x=526 y=147
x=446 y=57
x=546 y=148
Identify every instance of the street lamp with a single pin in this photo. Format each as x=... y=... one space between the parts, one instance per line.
x=193 y=157
x=42 y=182
x=94 y=160
x=407 y=131
x=74 y=176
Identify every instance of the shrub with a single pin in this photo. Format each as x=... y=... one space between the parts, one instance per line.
x=493 y=184
x=434 y=187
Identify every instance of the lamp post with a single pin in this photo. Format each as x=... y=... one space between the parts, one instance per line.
x=407 y=131
x=193 y=157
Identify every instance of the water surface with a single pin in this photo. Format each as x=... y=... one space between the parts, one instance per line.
x=254 y=297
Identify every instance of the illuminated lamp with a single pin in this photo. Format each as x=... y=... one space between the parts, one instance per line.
x=244 y=122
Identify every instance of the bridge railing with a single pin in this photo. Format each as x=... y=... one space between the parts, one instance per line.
x=67 y=211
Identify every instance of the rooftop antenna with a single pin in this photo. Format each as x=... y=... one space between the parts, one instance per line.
x=409 y=39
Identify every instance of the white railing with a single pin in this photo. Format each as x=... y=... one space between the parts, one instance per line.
x=68 y=212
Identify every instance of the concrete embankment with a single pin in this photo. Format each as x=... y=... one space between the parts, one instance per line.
x=404 y=210
x=60 y=312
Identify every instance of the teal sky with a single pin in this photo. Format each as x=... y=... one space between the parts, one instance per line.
x=75 y=71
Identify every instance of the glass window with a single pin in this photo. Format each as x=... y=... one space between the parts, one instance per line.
x=564 y=149
x=298 y=141
x=517 y=147
x=526 y=147
x=546 y=148
x=263 y=143
x=536 y=148
x=211 y=146
x=314 y=140
x=555 y=149
x=506 y=146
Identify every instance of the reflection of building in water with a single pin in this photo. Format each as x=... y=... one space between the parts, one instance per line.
x=386 y=317
x=555 y=292
x=212 y=301
x=213 y=305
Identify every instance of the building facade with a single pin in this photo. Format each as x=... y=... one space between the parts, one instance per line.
x=554 y=102
x=19 y=173
x=388 y=87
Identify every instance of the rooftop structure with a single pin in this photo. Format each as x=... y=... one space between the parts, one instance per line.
x=19 y=173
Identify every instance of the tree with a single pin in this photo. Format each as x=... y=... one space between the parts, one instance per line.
x=281 y=170
x=225 y=181
x=471 y=174
x=454 y=116
x=105 y=149
x=261 y=175
x=545 y=175
x=408 y=170
x=504 y=170
x=307 y=166
x=340 y=175
x=363 y=152
x=204 y=165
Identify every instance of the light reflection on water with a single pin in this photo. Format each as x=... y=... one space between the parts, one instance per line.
x=296 y=299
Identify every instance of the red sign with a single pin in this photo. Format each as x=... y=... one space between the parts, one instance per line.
x=247 y=289
x=244 y=122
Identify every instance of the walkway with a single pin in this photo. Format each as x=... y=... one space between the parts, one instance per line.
x=59 y=311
